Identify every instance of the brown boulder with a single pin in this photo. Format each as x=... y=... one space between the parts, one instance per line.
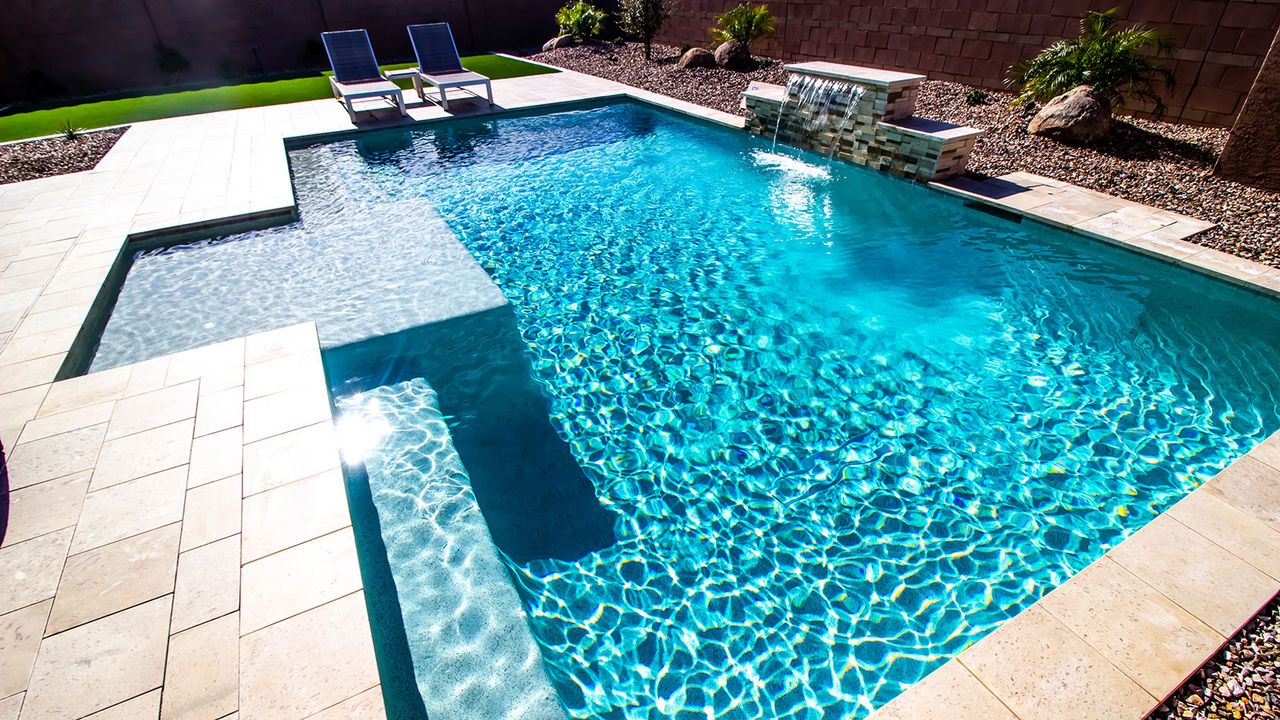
x=733 y=55
x=697 y=58
x=559 y=41
x=1079 y=116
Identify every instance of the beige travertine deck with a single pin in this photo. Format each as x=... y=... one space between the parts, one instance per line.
x=157 y=563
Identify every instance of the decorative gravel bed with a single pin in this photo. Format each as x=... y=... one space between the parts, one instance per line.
x=1160 y=164
x=1239 y=683
x=55 y=156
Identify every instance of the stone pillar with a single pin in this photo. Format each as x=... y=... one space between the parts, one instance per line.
x=1252 y=154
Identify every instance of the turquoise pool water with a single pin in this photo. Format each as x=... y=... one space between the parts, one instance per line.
x=759 y=435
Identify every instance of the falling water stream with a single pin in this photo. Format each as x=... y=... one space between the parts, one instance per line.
x=813 y=97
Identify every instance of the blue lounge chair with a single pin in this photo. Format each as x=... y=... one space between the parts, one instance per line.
x=356 y=75
x=439 y=64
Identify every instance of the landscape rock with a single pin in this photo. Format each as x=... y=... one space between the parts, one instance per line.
x=1078 y=116
x=697 y=58
x=733 y=55
x=557 y=42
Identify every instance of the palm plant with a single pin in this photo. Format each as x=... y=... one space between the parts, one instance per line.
x=1116 y=63
x=745 y=23
x=581 y=19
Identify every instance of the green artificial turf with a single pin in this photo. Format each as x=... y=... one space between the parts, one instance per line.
x=104 y=113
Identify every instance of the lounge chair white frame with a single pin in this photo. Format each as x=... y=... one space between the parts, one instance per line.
x=445 y=80
x=362 y=89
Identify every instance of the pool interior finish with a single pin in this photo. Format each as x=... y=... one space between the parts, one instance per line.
x=759 y=435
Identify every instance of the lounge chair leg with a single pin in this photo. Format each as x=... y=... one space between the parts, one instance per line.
x=351 y=111
x=488 y=88
x=444 y=100
x=400 y=105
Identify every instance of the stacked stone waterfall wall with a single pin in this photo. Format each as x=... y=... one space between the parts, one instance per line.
x=879 y=132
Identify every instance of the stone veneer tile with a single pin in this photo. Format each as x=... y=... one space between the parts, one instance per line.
x=45 y=426
x=284 y=411
x=1042 y=671
x=294 y=513
x=221 y=410
x=45 y=507
x=29 y=571
x=20 y=634
x=208 y=583
x=1191 y=571
x=143 y=707
x=1236 y=531
x=365 y=706
x=1252 y=486
x=216 y=456
x=53 y=457
x=1142 y=632
x=127 y=509
x=143 y=453
x=153 y=409
x=202 y=675
x=298 y=579
x=950 y=692
x=329 y=655
x=99 y=664
x=116 y=576
x=91 y=389
x=297 y=454
x=212 y=512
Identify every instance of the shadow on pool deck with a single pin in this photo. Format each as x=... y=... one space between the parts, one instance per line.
x=535 y=499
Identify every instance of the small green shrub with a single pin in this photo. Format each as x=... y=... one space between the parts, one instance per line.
x=581 y=19
x=1116 y=63
x=745 y=23
x=70 y=132
x=643 y=19
x=977 y=97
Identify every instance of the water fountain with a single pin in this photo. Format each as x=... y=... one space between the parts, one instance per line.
x=861 y=115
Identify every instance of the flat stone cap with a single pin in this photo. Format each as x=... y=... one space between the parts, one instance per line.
x=766 y=91
x=923 y=127
x=855 y=73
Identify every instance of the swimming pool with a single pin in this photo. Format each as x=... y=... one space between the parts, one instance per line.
x=759 y=435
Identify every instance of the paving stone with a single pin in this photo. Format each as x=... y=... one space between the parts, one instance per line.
x=950 y=692
x=1252 y=486
x=208 y=583
x=29 y=571
x=147 y=376
x=282 y=373
x=212 y=512
x=1268 y=451
x=298 y=579
x=143 y=453
x=1234 y=530
x=54 y=457
x=216 y=456
x=284 y=411
x=1142 y=632
x=294 y=455
x=10 y=706
x=20 y=634
x=273 y=344
x=29 y=373
x=328 y=651
x=202 y=675
x=1191 y=571
x=92 y=389
x=129 y=508
x=49 y=425
x=115 y=576
x=209 y=360
x=293 y=514
x=51 y=505
x=99 y=664
x=1042 y=671
x=143 y=707
x=154 y=409
x=221 y=410
x=365 y=706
